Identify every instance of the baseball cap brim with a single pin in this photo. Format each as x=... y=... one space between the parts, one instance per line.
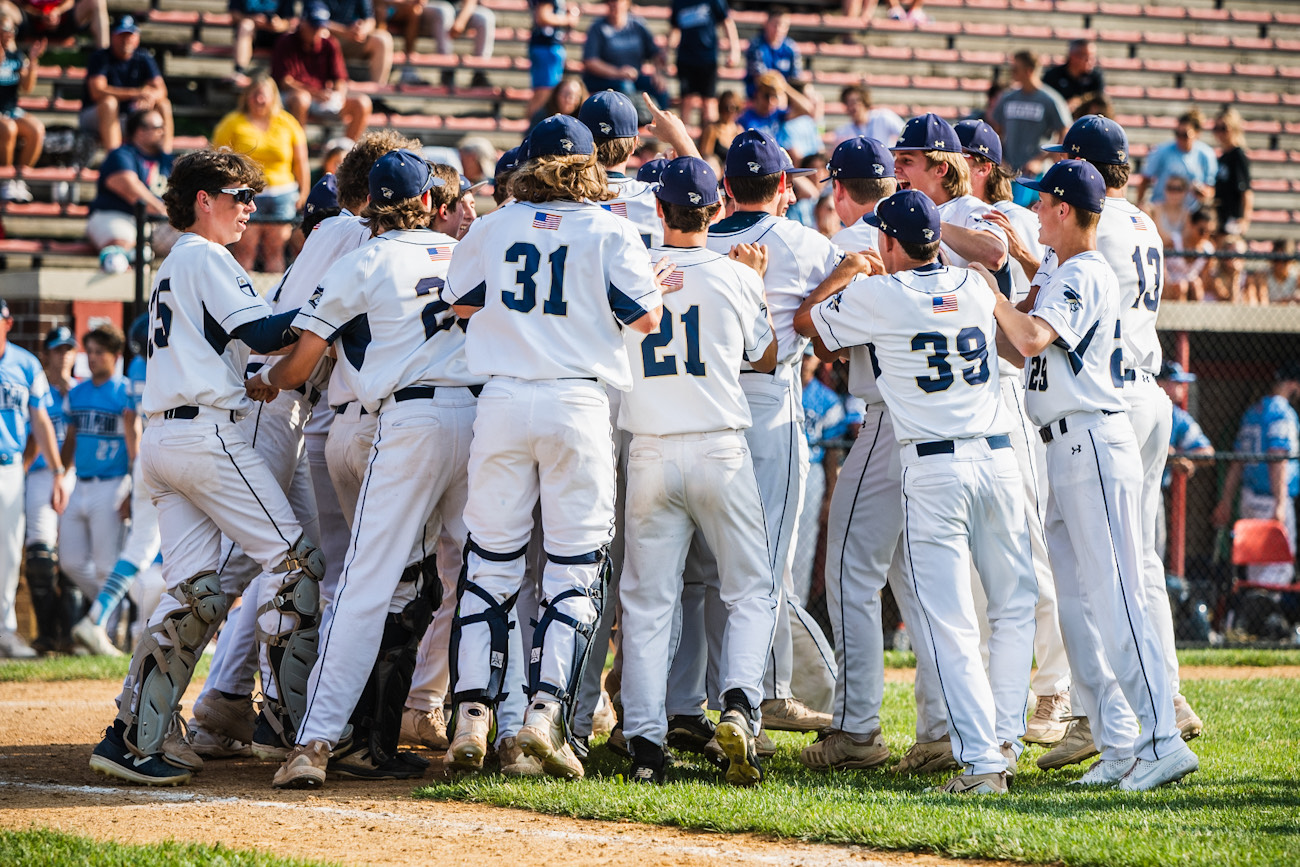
x=800 y=171
x=871 y=220
x=62 y=341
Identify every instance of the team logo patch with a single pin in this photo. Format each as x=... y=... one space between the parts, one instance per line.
x=944 y=303
x=546 y=221
x=617 y=208
x=246 y=286
x=567 y=144
x=314 y=300
x=929 y=234
x=388 y=194
x=1072 y=298
x=834 y=303
x=878 y=169
x=754 y=167
x=439 y=254
x=605 y=128
x=695 y=198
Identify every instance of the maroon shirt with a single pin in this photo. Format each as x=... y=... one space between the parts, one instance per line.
x=311 y=69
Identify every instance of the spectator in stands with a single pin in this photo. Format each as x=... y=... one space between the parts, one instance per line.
x=1098 y=104
x=261 y=129
x=552 y=21
x=618 y=48
x=802 y=133
x=18 y=75
x=308 y=66
x=122 y=79
x=1268 y=488
x=1079 y=76
x=772 y=50
x=1233 y=198
x=694 y=35
x=258 y=24
x=58 y=21
x=1188 y=278
x=566 y=98
x=446 y=22
x=1028 y=116
x=717 y=136
x=1184 y=157
x=135 y=172
x=1186 y=439
x=352 y=23
x=1171 y=214
x=898 y=10
x=865 y=119
x=478 y=157
x=775 y=101
x=1278 y=284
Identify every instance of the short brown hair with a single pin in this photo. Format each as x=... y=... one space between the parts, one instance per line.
x=684 y=218
x=998 y=186
x=1083 y=218
x=501 y=185
x=210 y=170
x=354 y=172
x=447 y=194
x=1115 y=177
x=108 y=337
x=864 y=191
x=748 y=190
x=956 y=181
x=555 y=178
x=920 y=252
x=614 y=151
x=859 y=90
x=1193 y=118
x=1027 y=59
x=384 y=217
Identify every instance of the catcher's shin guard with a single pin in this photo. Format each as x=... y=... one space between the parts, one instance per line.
x=292 y=651
x=43 y=585
x=583 y=631
x=164 y=661
x=496 y=616
x=377 y=719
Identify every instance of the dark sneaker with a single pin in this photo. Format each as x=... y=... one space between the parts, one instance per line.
x=112 y=758
x=359 y=764
x=267 y=744
x=647 y=762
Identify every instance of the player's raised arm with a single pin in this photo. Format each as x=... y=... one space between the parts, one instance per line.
x=853 y=264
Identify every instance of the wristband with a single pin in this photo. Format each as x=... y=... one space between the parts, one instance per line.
x=265 y=375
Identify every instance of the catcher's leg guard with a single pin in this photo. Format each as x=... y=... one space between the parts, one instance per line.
x=377 y=719
x=160 y=673
x=583 y=631
x=292 y=651
x=497 y=618
x=43 y=585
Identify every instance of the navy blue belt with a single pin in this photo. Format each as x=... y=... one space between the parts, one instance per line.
x=1050 y=432
x=343 y=407
x=191 y=412
x=947 y=447
x=415 y=392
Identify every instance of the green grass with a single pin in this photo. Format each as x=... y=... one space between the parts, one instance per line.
x=59 y=668
x=1241 y=808
x=40 y=847
x=1238 y=656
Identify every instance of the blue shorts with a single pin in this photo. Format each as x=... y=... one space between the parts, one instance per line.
x=275 y=208
x=547 y=64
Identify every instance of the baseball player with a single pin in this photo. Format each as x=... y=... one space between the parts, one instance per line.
x=611 y=117
x=991 y=183
x=547 y=333
x=49 y=601
x=1072 y=340
x=799 y=259
x=204 y=317
x=384 y=303
x=690 y=469
x=24 y=393
x=1129 y=242
x=931 y=327
x=102 y=437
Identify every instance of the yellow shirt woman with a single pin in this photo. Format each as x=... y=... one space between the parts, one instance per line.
x=271 y=148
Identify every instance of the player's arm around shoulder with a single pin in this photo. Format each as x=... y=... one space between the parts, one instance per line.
x=1027 y=334
x=755 y=320
x=849 y=268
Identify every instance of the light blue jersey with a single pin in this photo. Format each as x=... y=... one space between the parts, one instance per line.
x=1271 y=424
x=97 y=411
x=56 y=405
x=1185 y=437
x=824 y=418
x=23 y=387
x=135 y=380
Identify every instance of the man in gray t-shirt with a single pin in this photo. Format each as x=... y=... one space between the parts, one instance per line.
x=1029 y=116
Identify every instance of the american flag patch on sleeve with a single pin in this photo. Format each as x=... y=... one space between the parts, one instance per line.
x=439 y=254
x=619 y=208
x=674 y=280
x=546 y=221
x=944 y=303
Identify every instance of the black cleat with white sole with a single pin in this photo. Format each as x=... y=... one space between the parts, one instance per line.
x=113 y=758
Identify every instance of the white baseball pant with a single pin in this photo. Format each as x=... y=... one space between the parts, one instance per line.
x=90 y=531
x=142 y=541
x=432 y=665
x=347 y=449
x=12 y=520
x=334 y=530
x=42 y=520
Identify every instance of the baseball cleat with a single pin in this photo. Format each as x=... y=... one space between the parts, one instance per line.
x=267 y=743
x=1148 y=775
x=1050 y=719
x=695 y=734
x=1077 y=746
x=424 y=728
x=214 y=746
x=359 y=764
x=836 y=750
x=222 y=716
x=514 y=762
x=605 y=717
x=177 y=748
x=792 y=715
x=90 y=635
x=737 y=741
x=305 y=766
x=113 y=758
x=473 y=725
x=928 y=757
x=1105 y=772
x=973 y=784
x=647 y=763
x=764 y=744
x=1013 y=759
x=1189 y=724
x=617 y=743
x=542 y=737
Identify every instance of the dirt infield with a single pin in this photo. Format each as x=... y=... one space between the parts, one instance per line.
x=48 y=729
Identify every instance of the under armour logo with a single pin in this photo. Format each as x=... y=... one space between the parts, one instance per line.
x=1074 y=148
x=388 y=194
x=566 y=144
x=1074 y=450
x=984 y=148
x=884 y=227
x=878 y=168
x=1121 y=155
x=754 y=167
x=938 y=143
x=606 y=129
x=1060 y=193
x=694 y=197
x=929 y=234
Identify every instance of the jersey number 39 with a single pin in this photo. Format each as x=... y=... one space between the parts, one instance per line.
x=971 y=345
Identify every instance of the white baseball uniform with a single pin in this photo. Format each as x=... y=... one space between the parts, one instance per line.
x=1074 y=392
x=689 y=468
x=42 y=520
x=932 y=329
x=548 y=336
x=636 y=200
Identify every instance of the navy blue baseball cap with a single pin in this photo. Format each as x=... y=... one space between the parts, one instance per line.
x=60 y=336
x=860 y=157
x=1172 y=371
x=399 y=175
x=688 y=181
x=316 y=14
x=754 y=154
x=1074 y=182
x=125 y=24
x=787 y=165
x=650 y=170
x=928 y=132
x=609 y=114
x=908 y=215
x=560 y=135
x=1096 y=139
x=323 y=197
x=979 y=140
x=509 y=161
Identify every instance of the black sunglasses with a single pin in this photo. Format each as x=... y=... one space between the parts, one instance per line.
x=243 y=195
